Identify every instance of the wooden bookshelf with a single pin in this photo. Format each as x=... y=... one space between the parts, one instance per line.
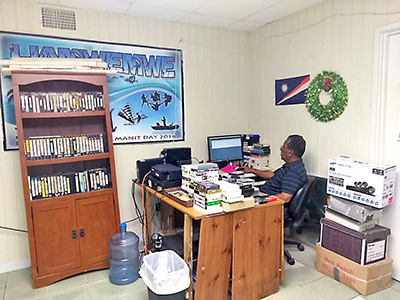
x=75 y=208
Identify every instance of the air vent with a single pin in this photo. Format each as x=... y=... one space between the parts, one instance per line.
x=58 y=18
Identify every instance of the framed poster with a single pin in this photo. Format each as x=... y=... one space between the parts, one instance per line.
x=146 y=94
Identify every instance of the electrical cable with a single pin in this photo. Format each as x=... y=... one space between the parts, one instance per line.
x=144 y=214
x=196 y=159
x=137 y=210
x=13 y=229
x=131 y=220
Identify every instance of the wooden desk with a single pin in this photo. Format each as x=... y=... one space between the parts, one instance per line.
x=250 y=239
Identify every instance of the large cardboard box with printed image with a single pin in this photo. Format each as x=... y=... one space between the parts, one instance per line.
x=362 y=182
x=366 y=280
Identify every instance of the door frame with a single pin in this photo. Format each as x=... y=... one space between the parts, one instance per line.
x=379 y=95
x=379 y=98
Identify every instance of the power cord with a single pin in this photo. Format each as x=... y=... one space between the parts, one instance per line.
x=131 y=220
x=13 y=229
x=137 y=210
x=144 y=213
x=196 y=159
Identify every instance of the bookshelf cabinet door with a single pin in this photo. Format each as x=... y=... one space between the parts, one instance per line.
x=57 y=247
x=96 y=222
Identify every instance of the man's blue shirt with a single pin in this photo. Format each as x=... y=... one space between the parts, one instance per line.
x=287 y=179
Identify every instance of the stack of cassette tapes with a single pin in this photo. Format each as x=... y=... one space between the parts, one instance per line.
x=255 y=154
x=207 y=197
x=232 y=197
x=69 y=183
x=45 y=147
x=197 y=172
x=39 y=102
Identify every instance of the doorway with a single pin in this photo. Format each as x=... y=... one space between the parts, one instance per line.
x=385 y=125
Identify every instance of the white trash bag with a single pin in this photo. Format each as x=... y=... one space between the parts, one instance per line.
x=165 y=272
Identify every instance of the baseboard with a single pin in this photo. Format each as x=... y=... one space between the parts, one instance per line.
x=15 y=265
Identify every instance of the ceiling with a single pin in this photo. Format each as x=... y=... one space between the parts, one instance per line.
x=244 y=15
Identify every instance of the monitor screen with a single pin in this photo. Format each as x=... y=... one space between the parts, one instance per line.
x=225 y=148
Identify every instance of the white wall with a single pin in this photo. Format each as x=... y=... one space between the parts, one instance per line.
x=216 y=79
x=229 y=86
x=335 y=35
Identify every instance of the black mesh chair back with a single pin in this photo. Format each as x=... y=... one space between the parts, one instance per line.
x=295 y=213
x=299 y=201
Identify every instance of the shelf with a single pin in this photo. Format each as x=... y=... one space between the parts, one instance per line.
x=66 y=160
x=69 y=197
x=58 y=115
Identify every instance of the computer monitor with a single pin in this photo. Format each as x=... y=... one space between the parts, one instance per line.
x=225 y=148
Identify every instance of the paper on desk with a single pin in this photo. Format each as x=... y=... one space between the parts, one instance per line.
x=229 y=168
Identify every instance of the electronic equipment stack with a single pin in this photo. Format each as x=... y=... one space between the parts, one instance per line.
x=143 y=166
x=349 y=232
x=164 y=176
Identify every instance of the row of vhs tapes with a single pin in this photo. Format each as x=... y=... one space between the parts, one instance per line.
x=46 y=147
x=38 y=102
x=69 y=183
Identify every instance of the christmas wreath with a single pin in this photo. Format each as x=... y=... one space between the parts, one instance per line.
x=332 y=83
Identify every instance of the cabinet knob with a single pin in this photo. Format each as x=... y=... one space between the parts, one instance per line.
x=82 y=232
x=74 y=235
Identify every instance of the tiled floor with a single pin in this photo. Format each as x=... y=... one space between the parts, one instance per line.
x=302 y=281
x=17 y=285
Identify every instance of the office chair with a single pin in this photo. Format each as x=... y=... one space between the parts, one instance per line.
x=295 y=214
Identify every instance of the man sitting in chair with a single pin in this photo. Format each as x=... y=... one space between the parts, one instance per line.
x=289 y=178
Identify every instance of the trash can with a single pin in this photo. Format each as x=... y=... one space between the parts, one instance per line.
x=166 y=275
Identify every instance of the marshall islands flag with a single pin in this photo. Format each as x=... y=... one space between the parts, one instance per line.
x=291 y=90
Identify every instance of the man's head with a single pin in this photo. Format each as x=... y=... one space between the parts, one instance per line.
x=293 y=148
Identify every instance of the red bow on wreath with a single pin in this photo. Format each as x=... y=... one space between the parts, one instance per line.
x=327 y=84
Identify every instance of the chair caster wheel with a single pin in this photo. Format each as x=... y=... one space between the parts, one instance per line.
x=291 y=261
x=300 y=247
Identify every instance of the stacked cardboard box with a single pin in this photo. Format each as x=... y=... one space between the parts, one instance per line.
x=364 y=247
x=362 y=182
x=352 y=245
x=366 y=280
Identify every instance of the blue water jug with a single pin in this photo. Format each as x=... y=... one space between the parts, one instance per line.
x=124 y=256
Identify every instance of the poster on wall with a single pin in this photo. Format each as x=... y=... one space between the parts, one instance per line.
x=291 y=90
x=146 y=94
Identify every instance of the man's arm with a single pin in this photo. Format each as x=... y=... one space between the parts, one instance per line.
x=262 y=174
x=284 y=196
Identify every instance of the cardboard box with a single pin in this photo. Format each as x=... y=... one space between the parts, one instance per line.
x=246 y=203
x=362 y=182
x=364 y=247
x=364 y=279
